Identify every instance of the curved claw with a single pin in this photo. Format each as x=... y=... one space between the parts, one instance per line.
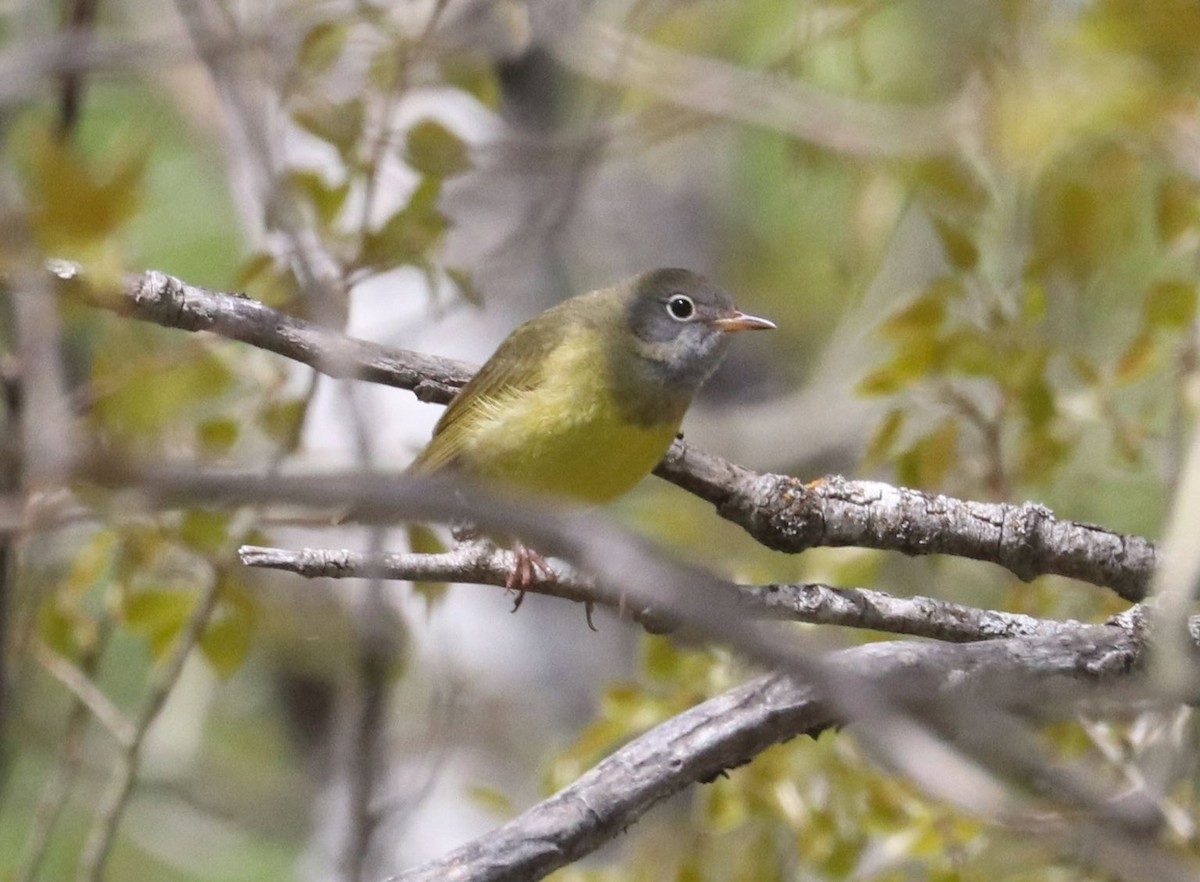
x=525 y=561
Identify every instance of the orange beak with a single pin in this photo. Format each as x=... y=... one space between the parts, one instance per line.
x=740 y=321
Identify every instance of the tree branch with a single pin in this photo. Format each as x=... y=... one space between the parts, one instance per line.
x=730 y=729
x=778 y=510
x=482 y=564
x=938 y=706
x=786 y=514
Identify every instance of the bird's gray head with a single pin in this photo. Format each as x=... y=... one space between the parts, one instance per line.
x=681 y=324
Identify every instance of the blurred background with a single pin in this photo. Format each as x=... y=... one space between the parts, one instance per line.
x=976 y=224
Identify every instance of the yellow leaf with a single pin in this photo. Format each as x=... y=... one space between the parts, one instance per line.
x=922 y=316
x=1138 y=360
x=422 y=540
x=217 y=435
x=76 y=205
x=205 y=529
x=159 y=614
x=1170 y=305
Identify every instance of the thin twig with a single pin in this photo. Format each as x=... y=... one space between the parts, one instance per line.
x=813 y=603
x=116 y=795
x=66 y=767
x=87 y=692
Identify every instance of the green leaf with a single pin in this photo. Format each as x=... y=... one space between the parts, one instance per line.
x=475 y=75
x=326 y=200
x=435 y=151
x=74 y=204
x=1037 y=402
x=283 y=420
x=64 y=627
x=961 y=253
x=159 y=614
x=149 y=400
x=951 y=184
x=92 y=562
x=383 y=70
x=226 y=641
x=923 y=316
x=931 y=458
x=205 y=530
x=661 y=658
x=1033 y=308
x=411 y=233
x=971 y=351
x=321 y=47
x=725 y=808
x=1170 y=305
x=1040 y=452
x=260 y=278
x=1177 y=208
x=422 y=540
x=339 y=124
x=465 y=285
x=919 y=357
x=217 y=436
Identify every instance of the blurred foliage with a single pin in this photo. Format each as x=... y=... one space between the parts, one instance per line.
x=1050 y=354
x=1051 y=357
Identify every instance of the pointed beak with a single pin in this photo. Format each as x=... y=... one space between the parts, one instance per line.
x=740 y=321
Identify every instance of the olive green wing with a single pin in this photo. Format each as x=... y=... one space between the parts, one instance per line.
x=515 y=367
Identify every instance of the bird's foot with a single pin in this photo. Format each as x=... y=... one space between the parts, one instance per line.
x=525 y=562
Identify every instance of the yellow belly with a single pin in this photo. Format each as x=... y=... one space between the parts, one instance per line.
x=564 y=438
x=563 y=446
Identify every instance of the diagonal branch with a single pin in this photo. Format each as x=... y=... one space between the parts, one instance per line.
x=778 y=510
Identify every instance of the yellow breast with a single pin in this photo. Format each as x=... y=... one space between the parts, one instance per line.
x=567 y=436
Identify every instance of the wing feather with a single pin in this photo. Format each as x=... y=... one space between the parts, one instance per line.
x=515 y=367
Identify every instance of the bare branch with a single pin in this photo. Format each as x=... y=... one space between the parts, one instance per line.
x=784 y=513
x=46 y=427
x=165 y=300
x=730 y=729
x=778 y=510
x=481 y=563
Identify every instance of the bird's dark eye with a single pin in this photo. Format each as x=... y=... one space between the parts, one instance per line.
x=680 y=307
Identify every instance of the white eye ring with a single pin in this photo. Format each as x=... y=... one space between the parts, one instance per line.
x=680 y=307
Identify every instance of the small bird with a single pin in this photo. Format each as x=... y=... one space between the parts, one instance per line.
x=582 y=401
